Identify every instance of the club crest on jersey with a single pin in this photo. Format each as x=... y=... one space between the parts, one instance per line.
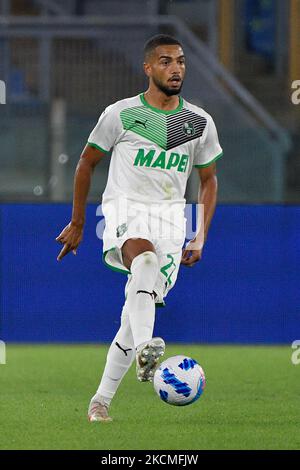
x=121 y=230
x=188 y=128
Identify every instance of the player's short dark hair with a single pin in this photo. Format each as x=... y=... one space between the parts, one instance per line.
x=159 y=40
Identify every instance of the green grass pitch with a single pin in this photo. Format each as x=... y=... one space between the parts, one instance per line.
x=251 y=401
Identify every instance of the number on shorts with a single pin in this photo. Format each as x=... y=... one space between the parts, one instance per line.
x=165 y=268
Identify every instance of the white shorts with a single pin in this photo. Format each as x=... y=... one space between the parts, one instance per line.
x=162 y=224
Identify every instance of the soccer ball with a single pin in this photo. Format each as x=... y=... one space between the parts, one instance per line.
x=179 y=380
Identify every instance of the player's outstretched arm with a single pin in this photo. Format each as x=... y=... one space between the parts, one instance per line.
x=207 y=197
x=72 y=234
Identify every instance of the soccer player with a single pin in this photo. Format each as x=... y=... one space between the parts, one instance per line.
x=156 y=138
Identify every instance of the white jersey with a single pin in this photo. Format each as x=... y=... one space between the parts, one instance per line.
x=153 y=151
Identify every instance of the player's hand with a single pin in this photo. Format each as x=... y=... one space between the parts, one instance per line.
x=70 y=237
x=191 y=254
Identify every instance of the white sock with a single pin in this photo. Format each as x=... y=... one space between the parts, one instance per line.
x=120 y=356
x=137 y=322
x=140 y=297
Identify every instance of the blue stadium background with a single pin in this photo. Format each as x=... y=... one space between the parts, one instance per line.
x=245 y=289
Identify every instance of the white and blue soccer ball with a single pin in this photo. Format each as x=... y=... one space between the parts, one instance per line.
x=179 y=380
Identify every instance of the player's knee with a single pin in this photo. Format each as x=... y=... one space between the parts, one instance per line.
x=146 y=262
x=149 y=260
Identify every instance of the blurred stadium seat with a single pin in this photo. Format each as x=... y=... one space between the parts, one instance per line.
x=90 y=54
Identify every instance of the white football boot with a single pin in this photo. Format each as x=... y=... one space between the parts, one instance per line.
x=147 y=358
x=98 y=411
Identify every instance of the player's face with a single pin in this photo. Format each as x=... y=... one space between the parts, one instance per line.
x=166 y=69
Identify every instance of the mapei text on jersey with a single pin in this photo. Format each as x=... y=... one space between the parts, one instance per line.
x=162 y=160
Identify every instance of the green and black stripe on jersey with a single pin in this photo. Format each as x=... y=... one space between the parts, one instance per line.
x=168 y=130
